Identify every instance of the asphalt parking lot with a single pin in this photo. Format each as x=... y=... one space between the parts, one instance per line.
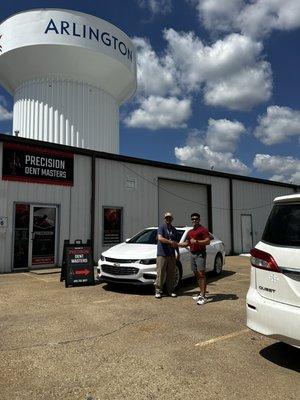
x=107 y=342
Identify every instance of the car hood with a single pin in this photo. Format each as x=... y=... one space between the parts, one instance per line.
x=131 y=251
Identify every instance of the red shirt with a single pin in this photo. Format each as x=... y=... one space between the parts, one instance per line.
x=199 y=233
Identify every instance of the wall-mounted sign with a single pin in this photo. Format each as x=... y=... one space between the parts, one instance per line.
x=131 y=183
x=37 y=164
x=112 y=225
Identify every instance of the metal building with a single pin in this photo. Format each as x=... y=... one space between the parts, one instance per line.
x=50 y=192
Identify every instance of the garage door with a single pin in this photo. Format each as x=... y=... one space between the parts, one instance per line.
x=182 y=199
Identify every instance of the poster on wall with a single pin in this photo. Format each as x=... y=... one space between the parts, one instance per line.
x=112 y=225
x=37 y=164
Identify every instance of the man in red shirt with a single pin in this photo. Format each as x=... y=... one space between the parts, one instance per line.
x=197 y=239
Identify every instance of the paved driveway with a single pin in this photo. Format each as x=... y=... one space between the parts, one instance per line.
x=103 y=342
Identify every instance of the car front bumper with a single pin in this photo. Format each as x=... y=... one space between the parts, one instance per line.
x=270 y=318
x=134 y=274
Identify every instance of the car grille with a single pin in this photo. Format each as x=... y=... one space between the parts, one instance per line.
x=116 y=270
x=119 y=261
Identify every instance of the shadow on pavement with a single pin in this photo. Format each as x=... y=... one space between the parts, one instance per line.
x=283 y=355
x=140 y=290
x=221 y=297
x=185 y=286
x=190 y=283
x=211 y=298
x=225 y=274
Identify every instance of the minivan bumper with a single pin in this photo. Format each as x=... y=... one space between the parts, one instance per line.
x=273 y=319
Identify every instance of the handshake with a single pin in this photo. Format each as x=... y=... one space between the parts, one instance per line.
x=175 y=244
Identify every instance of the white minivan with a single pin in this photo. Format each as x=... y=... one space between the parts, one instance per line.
x=273 y=299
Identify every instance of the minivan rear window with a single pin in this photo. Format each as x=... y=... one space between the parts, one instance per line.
x=283 y=225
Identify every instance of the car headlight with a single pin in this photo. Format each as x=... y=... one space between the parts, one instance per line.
x=102 y=258
x=148 y=261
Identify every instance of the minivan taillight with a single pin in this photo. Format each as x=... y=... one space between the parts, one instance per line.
x=261 y=259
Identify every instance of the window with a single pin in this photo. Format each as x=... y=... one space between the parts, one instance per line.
x=283 y=225
x=148 y=236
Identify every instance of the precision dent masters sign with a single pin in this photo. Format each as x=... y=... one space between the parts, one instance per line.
x=36 y=164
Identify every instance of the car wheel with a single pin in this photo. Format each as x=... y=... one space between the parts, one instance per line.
x=218 y=265
x=178 y=275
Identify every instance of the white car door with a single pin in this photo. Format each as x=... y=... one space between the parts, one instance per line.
x=185 y=257
x=210 y=254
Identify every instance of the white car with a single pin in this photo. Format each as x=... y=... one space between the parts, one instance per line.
x=273 y=299
x=134 y=261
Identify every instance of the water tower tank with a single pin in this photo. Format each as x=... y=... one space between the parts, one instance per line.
x=68 y=72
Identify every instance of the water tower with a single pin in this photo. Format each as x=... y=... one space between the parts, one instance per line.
x=68 y=72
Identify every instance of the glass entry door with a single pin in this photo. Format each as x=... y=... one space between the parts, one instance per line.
x=42 y=246
x=21 y=236
x=35 y=236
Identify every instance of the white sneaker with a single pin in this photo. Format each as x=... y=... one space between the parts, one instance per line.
x=158 y=295
x=201 y=300
x=197 y=296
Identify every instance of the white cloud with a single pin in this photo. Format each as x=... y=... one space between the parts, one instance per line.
x=157 y=112
x=202 y=156
x=155 y=76
x=219 y=15
x=261 y=17
x=196 y=63
x=282 y=168
x=243 y=90
x=5 y=115
x=156 y=6
x=278 y=125
x=223 y=135
x=230 y=71
x=255 y=18
x=214 y=149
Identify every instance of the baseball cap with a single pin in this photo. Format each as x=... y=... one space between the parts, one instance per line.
x=168 y=214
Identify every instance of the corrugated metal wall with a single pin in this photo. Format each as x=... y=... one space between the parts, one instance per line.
x=254 y=199
x=67 y=112
x=140 y=203
x=73 y=202
x=80 y=198
x=182 y=199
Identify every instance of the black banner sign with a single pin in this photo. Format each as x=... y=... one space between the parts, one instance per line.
x=78 y=266
x=37 y=164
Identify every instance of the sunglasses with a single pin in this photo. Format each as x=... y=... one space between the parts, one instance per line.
x=194 y=219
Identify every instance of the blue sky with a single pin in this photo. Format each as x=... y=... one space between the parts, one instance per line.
x=218 y=82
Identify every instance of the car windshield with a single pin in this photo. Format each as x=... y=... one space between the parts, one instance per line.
x=283 y=226
x=149 y=236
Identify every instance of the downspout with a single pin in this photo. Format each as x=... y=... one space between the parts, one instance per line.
x=93 y=201
x=231 y=216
